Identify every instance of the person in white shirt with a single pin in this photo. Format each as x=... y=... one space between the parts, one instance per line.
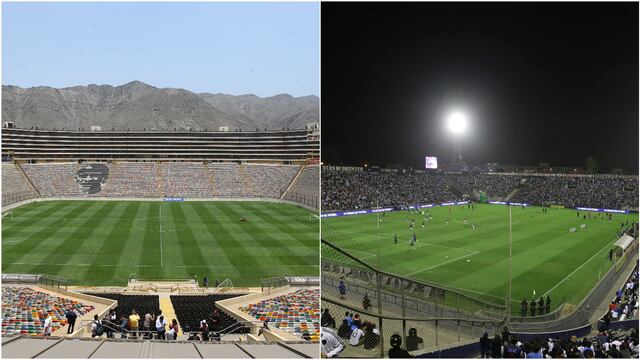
x=356 y=336
x=332 y=345
x=48 y=326
x=161 y=325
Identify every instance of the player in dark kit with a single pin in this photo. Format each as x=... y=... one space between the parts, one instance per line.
x=395 y=239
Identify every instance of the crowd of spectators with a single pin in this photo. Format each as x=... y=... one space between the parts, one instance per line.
x=625 y=304
x=352 y=190
x=306 y=186
x=570 y=191
x=365 y=190
x=606 y=344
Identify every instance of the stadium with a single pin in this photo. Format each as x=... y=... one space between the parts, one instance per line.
x=215 y=231
x=484 y=243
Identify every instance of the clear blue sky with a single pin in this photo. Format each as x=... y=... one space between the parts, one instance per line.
x=233 y=48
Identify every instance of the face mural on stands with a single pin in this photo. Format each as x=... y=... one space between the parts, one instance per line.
x=91 y=177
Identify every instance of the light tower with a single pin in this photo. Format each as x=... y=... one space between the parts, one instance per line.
x=457 y=124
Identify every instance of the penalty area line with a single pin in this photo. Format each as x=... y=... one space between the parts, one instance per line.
x=444 y=263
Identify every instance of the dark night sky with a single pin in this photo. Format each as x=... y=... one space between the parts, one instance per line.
x=542 y=82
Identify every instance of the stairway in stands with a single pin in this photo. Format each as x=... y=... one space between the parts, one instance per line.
x=168 y=311
x=293 y=181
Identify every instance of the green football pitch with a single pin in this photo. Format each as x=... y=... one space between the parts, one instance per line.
x=105 y=242
x=546 y=257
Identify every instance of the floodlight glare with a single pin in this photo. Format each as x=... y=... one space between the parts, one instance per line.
x=457 y=123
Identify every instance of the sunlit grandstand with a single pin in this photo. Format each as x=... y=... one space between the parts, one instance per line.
x=439 y=258
x=160 y=243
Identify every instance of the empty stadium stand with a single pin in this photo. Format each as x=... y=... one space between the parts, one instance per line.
x=270 y=146
x=22 y=309
x=141 y=303
x=15 y=186
x=297 y=313
x=191 y=309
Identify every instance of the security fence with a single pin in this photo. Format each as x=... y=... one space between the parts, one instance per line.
x=426 y=332
x=391 y=294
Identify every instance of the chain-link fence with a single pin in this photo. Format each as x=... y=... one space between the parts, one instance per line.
x=376 y=330
x=304 y=199
x=390 y=294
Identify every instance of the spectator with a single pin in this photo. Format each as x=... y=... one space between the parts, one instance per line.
x=326 y=320
x=331 y=344
x=48 y=323
x=485 y=346
x=342 y=288
x=396 y=351
x=71 y=319
x=134 y=323
x=148 y=320
x=371 y=336
x=496 y=346
x=161 y=324
x=123 y=326
x=414 y=342
x=356 y=336
x=366 y=302
x=344 y=331
x=96 y=327
x=172 y=334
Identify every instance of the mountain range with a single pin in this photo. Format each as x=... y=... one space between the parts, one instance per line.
x=139 y=106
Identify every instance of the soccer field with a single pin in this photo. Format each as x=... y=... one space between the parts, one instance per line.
x=546 y=257
x=104 y=242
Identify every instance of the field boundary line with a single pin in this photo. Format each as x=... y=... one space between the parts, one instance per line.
x=579 y=267
x=407 y=236
x=156 y=265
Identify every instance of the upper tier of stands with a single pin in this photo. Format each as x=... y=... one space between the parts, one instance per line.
x=297 y=313
x=23 y=307
x=268 y=146
x=349 y=190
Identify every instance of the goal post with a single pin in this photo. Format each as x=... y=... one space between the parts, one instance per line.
x=7 y=215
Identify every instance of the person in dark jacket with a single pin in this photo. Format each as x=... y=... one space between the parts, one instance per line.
x=414 y=342
x=366 y=302
x=327 y=320
x=344 y=331
x=548 y=305
x=532 y=307
x=371 y=339
x=485 y=346
x=396 y=352
x=540 y=306
x=523 y=307
x=496 y=347
x=71 y=318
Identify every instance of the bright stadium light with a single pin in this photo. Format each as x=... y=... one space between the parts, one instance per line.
x=457 y=123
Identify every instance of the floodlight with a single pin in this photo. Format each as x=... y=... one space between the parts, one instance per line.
x=457 y=123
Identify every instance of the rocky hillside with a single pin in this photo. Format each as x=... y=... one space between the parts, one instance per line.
x=138 y=106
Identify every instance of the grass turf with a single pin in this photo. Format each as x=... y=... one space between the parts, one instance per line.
x=545 y=256
x=104 y=242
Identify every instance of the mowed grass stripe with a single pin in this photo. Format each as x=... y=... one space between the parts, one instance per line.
x=272 y=239
x=190 y=248
x=33 y=241
x=69 y=245
x=146 y=261
x=253 y=239
x=113 y=245
x=283 y=229
x=24 y=222
x=209 y=244
x=234 y=251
